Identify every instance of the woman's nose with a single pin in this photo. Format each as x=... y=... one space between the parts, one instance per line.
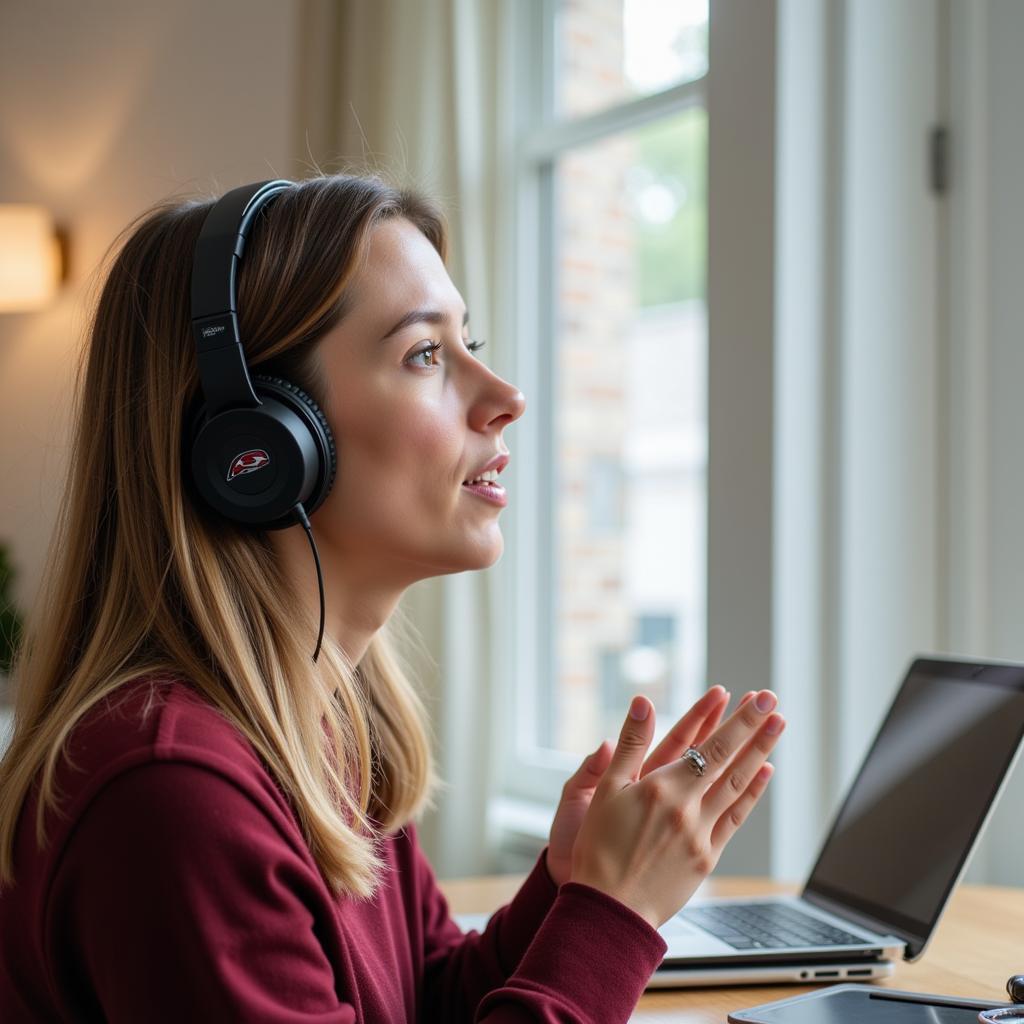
x=501 y=401
x=517 y=403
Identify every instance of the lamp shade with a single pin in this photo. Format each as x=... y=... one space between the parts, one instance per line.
x=30 y=258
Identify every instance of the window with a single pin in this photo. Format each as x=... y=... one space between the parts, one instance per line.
x=613 y=188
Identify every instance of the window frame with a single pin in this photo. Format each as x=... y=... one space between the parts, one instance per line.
x=738 y=91
x=526 y=581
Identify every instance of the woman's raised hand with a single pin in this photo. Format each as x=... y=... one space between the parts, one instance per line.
x=692 y=729
x=650 y=841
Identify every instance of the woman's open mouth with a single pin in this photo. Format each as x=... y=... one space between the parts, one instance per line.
x=488 y=488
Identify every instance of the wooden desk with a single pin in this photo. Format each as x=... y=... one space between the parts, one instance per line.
x=978 y=945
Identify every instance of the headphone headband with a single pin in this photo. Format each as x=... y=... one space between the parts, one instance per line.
x=222 y=369
x=221 y=244
x=268 y=460
x=261 y=448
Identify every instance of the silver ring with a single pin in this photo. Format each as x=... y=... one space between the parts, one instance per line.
x=696 y=761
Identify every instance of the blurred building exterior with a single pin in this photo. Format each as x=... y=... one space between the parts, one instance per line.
x=630 y=419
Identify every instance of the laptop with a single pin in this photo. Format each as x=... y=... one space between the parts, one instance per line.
x=896 y=849
x=898 y=846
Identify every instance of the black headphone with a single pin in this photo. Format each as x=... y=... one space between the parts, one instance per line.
x=262 y=453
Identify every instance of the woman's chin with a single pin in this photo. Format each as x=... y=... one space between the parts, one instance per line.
x=484 y=556
x=495 y=555
x=479 y=556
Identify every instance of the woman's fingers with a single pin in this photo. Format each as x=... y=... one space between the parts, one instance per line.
x=590 y=771
x=721 y=746
x=693 y=728
x=634 y=739
x=709 y=725
x=735 y=815
x=743 y=768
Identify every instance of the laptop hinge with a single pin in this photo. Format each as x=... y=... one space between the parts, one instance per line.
x=848 y=913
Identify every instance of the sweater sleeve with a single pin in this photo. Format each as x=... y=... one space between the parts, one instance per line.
x=178 y=898
x=557 y=955
x=589 y=962
x=459 y=968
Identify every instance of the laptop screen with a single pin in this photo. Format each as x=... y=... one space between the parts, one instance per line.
x=915 y=809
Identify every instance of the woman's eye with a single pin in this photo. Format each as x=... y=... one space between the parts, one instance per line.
x=428 y=351
x=471 y=344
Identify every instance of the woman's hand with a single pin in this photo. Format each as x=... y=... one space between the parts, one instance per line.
x=649 y=842
x=693 y=728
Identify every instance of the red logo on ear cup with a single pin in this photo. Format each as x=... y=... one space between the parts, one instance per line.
x=248 y=462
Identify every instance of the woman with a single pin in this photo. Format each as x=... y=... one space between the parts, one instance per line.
x=198 y=822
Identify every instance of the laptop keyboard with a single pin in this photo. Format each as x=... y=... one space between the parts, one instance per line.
x=766 y=925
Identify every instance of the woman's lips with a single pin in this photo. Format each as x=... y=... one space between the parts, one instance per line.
x=493 y=493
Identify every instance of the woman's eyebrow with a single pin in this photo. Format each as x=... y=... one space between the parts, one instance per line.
x=423 y=316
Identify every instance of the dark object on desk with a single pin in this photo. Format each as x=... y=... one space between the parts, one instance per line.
x=859 y=1004
x=1015 y=988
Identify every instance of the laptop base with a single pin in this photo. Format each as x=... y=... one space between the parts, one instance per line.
x=668 y=976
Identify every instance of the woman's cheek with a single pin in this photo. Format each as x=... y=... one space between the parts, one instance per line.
x=432 y=442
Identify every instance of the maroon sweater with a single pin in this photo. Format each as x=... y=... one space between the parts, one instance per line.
x=177 y=887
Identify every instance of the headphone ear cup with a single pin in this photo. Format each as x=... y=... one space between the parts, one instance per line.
x=253 y=465
x=306 y=407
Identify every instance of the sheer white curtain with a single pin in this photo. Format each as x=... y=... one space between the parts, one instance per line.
x=411 y=87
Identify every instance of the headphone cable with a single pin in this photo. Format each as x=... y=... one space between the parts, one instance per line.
x=300 y=512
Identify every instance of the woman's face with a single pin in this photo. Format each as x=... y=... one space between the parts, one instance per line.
x=411 y=422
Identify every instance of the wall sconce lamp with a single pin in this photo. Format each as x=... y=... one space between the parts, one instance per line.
x=33 y=257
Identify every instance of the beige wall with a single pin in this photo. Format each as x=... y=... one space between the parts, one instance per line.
x=106 y=107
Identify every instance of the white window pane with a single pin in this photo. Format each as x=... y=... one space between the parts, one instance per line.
x=629 y=366
x=610 y=51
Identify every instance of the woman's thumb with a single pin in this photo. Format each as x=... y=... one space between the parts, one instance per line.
x=634 y=739
x=590 y=771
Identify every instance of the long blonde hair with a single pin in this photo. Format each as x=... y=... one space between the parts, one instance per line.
x=140 y=581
